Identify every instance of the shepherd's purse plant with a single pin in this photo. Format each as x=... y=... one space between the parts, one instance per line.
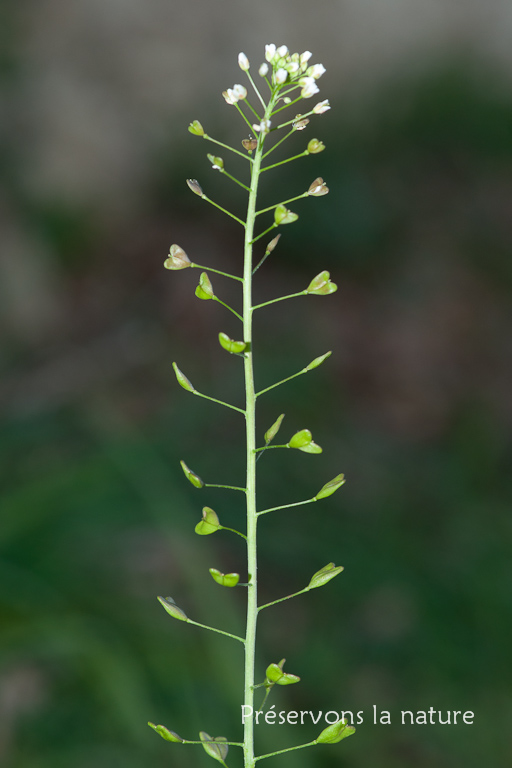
x=285 y=81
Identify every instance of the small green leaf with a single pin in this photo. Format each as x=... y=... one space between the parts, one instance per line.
x=182 y=379
x=216 y=748
x=335 y=733
x=172 y=609
x=191 y=476
x=300 y=439
x=331 y=487
x=177 y=258
x=209 y=523
x=275 y=674
x=234 y=347
x=274 y=429
x=165 y=733
x=282 y=215
x=321 y=285
x=324 y=575
x=225 y=579
x=318 y=361
x=204 y=290
x=311 y=447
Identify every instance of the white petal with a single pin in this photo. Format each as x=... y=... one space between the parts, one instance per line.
x=243 y=62
x=270 y=51
x=281 y=75
x=321 y=107
x=282 y=51
x=317 y=71
x=305 y=57
x=263 y=70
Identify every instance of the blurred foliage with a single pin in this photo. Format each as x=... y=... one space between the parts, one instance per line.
x=414 y=408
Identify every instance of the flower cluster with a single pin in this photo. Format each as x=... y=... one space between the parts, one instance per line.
x=234 y=94
x=293 y=68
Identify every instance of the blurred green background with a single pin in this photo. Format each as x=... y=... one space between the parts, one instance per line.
x=414 y=405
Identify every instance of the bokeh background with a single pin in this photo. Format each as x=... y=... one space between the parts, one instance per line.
x=414 y=406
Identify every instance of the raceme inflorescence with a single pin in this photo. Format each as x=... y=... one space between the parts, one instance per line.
x=285 y=80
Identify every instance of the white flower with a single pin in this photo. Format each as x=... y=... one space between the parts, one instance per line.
x=292 y=68
x=321 y=107
x=316 y=71
x=270 y=52
x=243 y=62
x=264 y=126
x=309 y=88
x=263 y=69
x=240 y=92
x=282 y=51
x=281 y=75
x=234 y=94
x=305 y=57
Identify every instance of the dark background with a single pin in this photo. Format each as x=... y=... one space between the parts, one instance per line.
x=413 y=406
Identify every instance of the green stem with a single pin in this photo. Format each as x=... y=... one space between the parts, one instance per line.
x=282 y=751
x=229 y=487
x=216 y=298
x=226 y=146
x=237 y=105
x=282 y=599
x=284 y=202
x=217 y=271
x=232 y=215
x=240 y=183
x=273 y=226
x=277 y=144
x=233 y=530
x=213 y=629
x=250 y=418
x=283 y=381
x=281 y=298
x=214 y=399
x=282 y=162
x=287 y=506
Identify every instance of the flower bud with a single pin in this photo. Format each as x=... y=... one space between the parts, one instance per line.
x=217 y=162
x=282 y=51
x=165 y=733
x=225 y=579
x=283 y=215
x=191 y=476
x=281 y=76
x=324 y=575
x=309 y=88
x=270 y=52
x=305 y=57
x=209 y=523
x=204 y=290
x=182 y=379
x=263 y=70
x=173 y=610
x=331 y=487
x=321 y=107
x=249 y=144
x=234 y=347
x=321 y=285
x=216 y=748
x=335 y=733
x=177 y=258
x=317 y=361
x=270 y=247
x=193 y=184
x=196 y=128
x=318 y=188
x=315 y=146
x=273 y=430
x=316 y=71
x=243 y=62
x=263 y=126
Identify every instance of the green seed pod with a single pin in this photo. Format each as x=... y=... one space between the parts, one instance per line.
x=182 y=379
x=318 y=361
x=172 y=609
x=191 y=476
x=177 y=258
x=194 y=185
x=196 y=128
x=324 y=575
x=315 y=146
x=331 y=487
x=234 y=347
x=275 y=674
x=204 y=290
x=321 y=285
x=165 y=733
x=216 y=748
x=311 y=447
x=209 y=523
x=274 y=429
x=283 y=215
x=217 y=162
x=335 y=733
x=300 y=439
x=270 y=247
x=225 y=579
